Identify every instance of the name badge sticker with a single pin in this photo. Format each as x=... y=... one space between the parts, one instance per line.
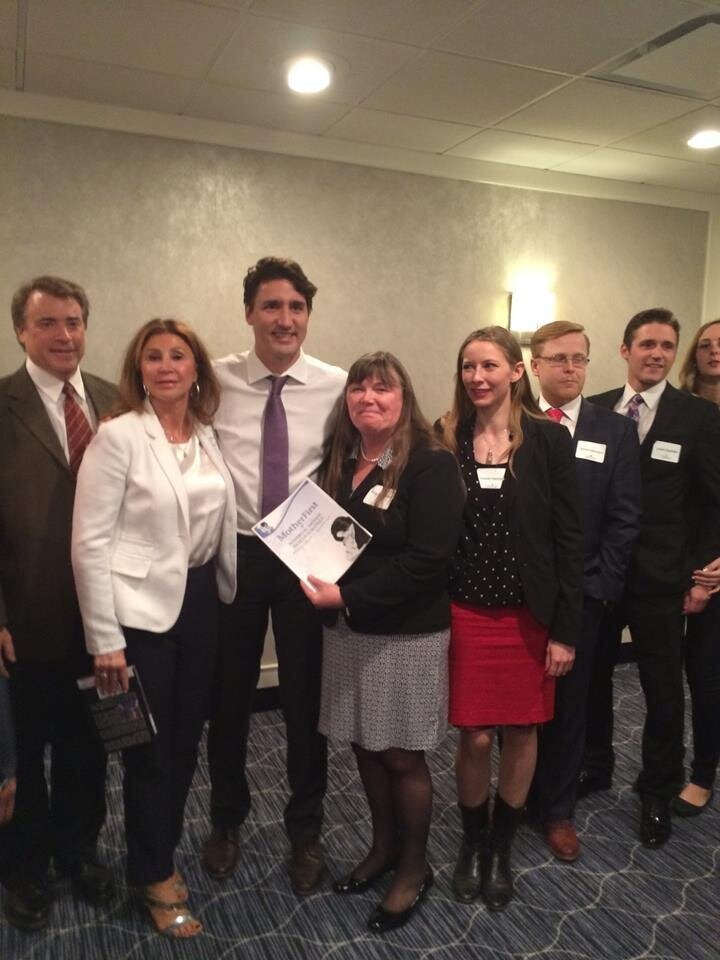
x=374 y=497
x=490 y=478
x=664 y=450
x=587 y=450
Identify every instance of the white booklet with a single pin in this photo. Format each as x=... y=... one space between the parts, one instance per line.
x=312 y=534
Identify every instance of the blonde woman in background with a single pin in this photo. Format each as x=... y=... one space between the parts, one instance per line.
x=700 y=374
x=153 y=546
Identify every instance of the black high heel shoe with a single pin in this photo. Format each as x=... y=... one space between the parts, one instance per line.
x=382 y=920
x=351 y=884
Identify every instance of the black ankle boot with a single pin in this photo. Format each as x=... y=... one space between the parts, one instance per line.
x=497 y=883
x=467 y=877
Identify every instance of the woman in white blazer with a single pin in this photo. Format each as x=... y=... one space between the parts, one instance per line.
x=153 y=548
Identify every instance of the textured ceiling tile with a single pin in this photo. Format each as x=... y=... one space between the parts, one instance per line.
x=264 y=109
x=670 y=139
x=165 y=36
x=459 y=89
x=255 y=56
x=408 y=21
x=62 y=77
x=557 y=35
x=622 y=165
x=395 y=130
x=501 y=146
x=590 y=111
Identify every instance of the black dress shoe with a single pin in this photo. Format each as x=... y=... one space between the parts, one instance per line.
x=588 y=783
x=683 y=808
x=382 y=920
x=90 y=881
x=351 y=884
x=27 y=906
x=655 y=823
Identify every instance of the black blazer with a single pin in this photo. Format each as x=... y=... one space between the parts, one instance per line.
x=610 y=499
x=398 y=584
x=37 y=488
x=680 y=522
x=544 y=519
x=8 y=756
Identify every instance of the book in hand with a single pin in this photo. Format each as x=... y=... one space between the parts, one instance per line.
x=312 y=534
x=121 y=720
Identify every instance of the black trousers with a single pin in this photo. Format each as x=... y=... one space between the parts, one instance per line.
x=63 y=822
x=702 y=668
x=176 y=670
x=561 y=742
x=266 y=586
x=656 y=626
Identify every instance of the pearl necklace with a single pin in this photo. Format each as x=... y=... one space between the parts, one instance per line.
x=366 y=457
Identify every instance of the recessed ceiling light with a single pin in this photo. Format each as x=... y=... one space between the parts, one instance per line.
x=309 y=75
x=705 y=140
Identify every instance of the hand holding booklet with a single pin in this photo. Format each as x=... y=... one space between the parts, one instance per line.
x=312 y=534
x=121 y=720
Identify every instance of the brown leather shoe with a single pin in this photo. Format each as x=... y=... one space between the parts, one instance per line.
x=307 y=866
x=221 y=851
x=562 y=840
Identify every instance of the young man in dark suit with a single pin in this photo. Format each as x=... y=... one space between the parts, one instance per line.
x=679 y=532
x=48 y=411
x=608 y=472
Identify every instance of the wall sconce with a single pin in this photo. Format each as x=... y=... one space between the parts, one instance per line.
x=529 y=307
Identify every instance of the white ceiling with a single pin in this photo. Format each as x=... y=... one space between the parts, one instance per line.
x=506 y=81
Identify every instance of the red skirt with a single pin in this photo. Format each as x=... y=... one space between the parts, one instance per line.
x=497 y=667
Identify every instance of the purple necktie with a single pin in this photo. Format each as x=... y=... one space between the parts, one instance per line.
x=633 y=408
x=275 y=471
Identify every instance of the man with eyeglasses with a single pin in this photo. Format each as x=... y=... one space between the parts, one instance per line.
x=679 y=533
x=608 y=471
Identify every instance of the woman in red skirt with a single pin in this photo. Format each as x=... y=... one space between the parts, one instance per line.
x=517 y=596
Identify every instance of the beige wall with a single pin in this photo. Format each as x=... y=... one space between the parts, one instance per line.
x=403 y=261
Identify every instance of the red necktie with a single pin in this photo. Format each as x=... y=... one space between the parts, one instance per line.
x=554 y=414
x=79 y=432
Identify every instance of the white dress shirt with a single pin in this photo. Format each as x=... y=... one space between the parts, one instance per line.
x=570 y=411
x=51 y=393
x=647 y=409
x=309 y=396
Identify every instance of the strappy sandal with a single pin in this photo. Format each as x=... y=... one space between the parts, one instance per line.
x=181 y=888
x=182 y=919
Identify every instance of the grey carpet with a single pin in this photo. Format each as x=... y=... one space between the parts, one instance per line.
x=618 y=901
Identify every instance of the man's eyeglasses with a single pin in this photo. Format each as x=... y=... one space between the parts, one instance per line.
x=565 y=360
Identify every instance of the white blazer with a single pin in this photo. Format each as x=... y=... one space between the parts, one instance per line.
x=131 y=541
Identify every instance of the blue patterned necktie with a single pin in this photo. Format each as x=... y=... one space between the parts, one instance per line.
x=275 y=469
x=633 y=409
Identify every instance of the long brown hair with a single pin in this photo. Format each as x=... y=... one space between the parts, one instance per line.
x=412 y=428
x=463 y=412
x=204 y=399
x=689 y=371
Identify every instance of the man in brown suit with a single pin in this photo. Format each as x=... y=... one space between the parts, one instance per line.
x=47 y=412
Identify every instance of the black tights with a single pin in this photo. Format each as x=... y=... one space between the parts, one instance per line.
x=399 y=792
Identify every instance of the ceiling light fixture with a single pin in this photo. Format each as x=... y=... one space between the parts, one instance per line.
x=705 y=140
x=309 y=75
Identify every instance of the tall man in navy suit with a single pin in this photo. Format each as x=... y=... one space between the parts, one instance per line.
x=608 y=471
x=679 y=532
x=41 y=639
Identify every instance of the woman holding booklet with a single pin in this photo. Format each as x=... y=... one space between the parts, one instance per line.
x=385 y=654
x=153 y=547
